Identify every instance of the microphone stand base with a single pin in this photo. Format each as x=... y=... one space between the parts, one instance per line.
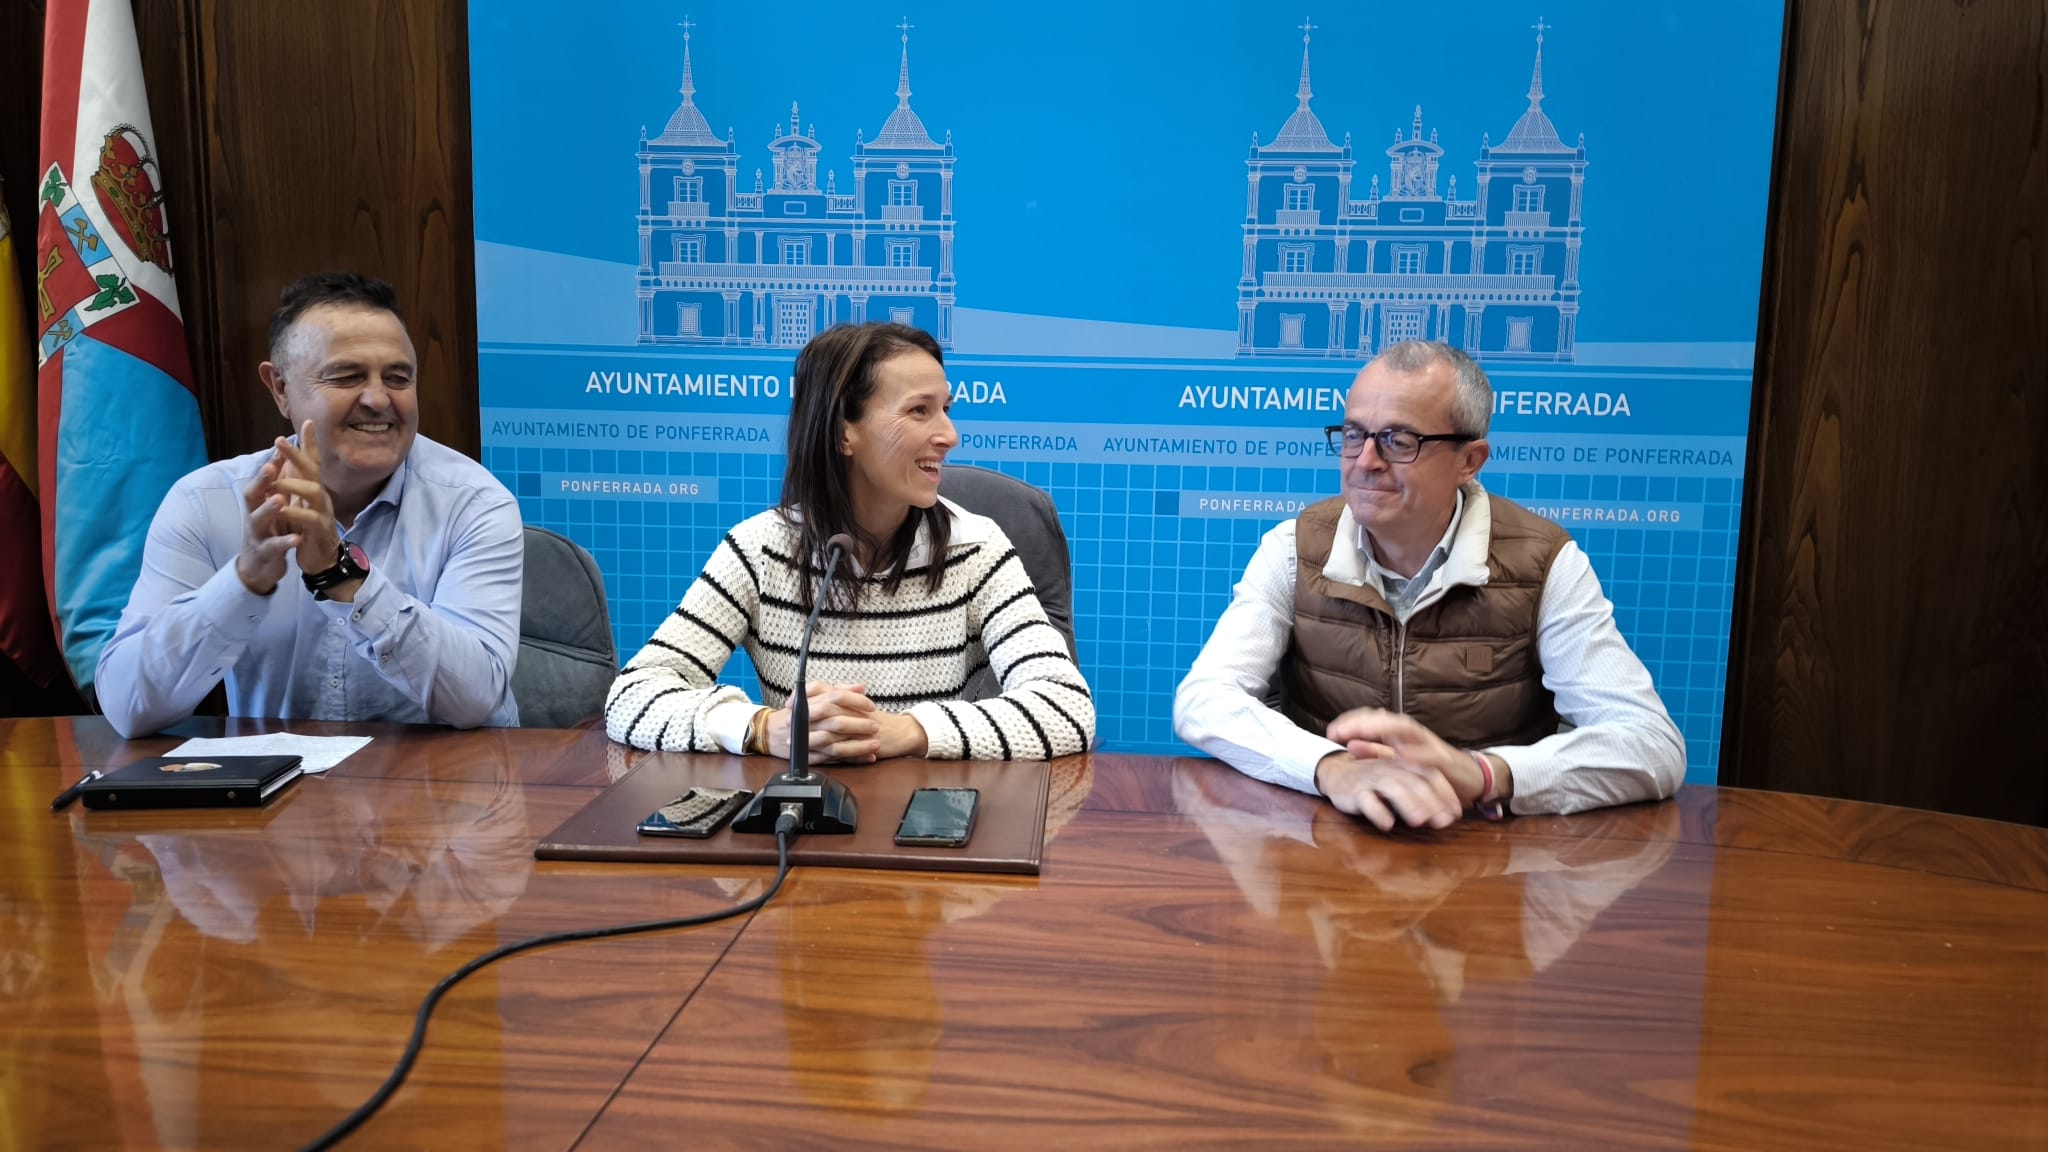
x=828 y=807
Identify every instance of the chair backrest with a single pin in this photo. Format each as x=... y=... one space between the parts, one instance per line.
x=567 y=659
x=1027 y=516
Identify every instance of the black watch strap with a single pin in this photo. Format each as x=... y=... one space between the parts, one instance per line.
x=346 y=567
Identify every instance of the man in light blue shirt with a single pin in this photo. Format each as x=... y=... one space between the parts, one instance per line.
x=356 y=571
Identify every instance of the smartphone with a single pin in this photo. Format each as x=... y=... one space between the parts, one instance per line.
x=696 y=813
x=938 y=817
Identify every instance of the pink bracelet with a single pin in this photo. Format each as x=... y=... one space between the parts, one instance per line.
x=1486 y=805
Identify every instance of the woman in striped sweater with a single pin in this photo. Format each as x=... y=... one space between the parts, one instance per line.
x=934 y=594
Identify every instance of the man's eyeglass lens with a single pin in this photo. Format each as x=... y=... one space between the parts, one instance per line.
x=1397 y=446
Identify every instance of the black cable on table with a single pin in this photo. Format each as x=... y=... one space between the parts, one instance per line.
x=328 y=1139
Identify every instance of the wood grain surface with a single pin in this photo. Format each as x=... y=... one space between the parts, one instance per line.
x=337 y=136
x=240 y=979
x=1205 y=962
x=1890 y=639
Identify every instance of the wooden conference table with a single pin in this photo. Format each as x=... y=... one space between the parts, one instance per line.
x=1205 y=962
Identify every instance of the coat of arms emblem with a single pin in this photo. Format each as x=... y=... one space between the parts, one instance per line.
x=127 y=184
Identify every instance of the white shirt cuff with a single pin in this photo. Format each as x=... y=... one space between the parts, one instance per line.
x=1535 y=773
x=727 y=723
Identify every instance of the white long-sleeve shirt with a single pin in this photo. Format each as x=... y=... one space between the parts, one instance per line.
x=1618 y=743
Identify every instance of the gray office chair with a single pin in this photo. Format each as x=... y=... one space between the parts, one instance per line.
x=567 y=659
x=1027 y=516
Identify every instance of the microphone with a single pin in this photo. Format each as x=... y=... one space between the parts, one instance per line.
x=799 y=702
x=827 y=806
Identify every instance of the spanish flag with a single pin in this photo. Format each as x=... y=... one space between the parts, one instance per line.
x=25 y=636
x=118 y=421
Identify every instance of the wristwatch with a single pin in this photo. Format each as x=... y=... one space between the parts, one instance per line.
x=349 y=564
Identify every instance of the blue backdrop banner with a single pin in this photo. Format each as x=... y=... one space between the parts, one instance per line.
x=1156 y=240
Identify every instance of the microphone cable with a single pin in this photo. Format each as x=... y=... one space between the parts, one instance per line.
x=785 y=829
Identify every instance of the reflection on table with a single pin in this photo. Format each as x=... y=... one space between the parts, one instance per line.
x=1404 y=930
x=1204 y=962
x=863 y=1016
x=363 y=867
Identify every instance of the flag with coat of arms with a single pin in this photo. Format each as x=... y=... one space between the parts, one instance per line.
x=118 y=420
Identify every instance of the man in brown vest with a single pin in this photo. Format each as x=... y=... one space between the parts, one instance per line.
x=1416 y=648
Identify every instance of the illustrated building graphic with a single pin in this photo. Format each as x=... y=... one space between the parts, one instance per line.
x=1331 y=269
x=773 y=266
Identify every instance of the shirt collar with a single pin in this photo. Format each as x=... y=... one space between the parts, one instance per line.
x=1387 y=577
x=393 y=489
x=1466 y=540
x=967 y=529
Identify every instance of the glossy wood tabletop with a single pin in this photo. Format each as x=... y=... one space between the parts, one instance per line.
x=1206 y=962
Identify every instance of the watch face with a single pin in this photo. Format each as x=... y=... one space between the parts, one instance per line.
x=356 y=556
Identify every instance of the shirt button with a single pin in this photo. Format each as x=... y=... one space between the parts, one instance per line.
x=356 y=615
x=335 y=681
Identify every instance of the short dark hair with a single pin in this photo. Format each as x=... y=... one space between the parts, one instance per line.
x=833 y=381
x=343 y=288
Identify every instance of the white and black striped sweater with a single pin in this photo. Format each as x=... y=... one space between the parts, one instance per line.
x=915 y=650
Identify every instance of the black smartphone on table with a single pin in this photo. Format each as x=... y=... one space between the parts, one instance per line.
x=696 y=813
x=939 y=817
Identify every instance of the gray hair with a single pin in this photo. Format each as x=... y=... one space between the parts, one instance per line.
x=1472 y=406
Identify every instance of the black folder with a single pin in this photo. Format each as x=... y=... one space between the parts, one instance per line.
x=194 y=782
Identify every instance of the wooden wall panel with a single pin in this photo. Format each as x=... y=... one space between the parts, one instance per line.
x=337 y=136
x=1891 y=641
x=21 y=86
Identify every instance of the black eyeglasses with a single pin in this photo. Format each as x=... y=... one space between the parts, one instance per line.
x=1396 y=445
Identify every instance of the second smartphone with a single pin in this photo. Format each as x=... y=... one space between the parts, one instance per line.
x=939 y=817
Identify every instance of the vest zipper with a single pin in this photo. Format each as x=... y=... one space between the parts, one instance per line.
x=1400 y=665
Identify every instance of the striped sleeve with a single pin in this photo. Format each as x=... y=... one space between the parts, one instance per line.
x=1045 y=709
x=664 y=694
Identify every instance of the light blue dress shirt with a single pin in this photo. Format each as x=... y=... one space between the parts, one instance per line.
x=431 y=637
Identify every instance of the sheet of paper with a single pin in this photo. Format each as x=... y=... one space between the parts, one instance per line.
x=316 y=753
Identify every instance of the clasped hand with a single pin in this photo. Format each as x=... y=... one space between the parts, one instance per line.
x=1393 y=770
x=286 y=508
x=847 y=728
